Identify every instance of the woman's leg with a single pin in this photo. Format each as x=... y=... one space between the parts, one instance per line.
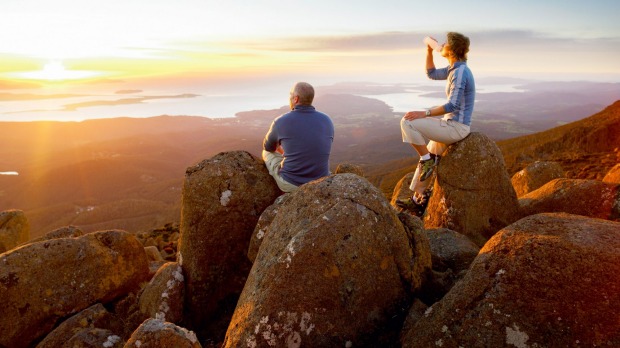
x=441 y=133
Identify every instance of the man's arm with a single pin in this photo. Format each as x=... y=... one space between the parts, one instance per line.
x=271 y=139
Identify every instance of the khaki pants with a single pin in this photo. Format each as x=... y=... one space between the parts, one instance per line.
x=441 y=133
x=273 y=161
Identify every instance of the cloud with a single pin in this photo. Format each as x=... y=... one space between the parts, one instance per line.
x=363 y=42
x=399 y=40
x=533 y=40
x=9 y=84
x=28 y=96
x=124 y=101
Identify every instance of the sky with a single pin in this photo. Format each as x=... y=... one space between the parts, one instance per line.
x=79 y=46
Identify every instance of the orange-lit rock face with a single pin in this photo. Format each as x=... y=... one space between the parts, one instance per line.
x=591 y=198
x=546 y=280
x=45 y=281
x=223 y=198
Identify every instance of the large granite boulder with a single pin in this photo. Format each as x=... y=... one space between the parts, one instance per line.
x=591 y=198
x=451 y=255
x=263 y=225
x=223 y=198
x=156 y=333
x=62 y=232
x=472 y=194
x=163 y=297
x=613 y=175
x=451 y=250
x=94 y=337
x=14 y=229
x=94 y=317
x=43 y=282
x=401 y=190
x=548 y=280
x=536 y=175
x=349 y=168
x=336 y=268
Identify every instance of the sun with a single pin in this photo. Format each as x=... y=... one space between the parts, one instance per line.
x=55 y=70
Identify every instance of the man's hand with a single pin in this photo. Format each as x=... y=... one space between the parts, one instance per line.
x=414 y=115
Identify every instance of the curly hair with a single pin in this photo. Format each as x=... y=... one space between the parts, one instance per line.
x=459 y=45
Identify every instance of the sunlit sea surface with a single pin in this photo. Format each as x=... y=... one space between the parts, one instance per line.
x=206 y=105
x=196 y=104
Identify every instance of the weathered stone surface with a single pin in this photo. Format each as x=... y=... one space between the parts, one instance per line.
x=155 y=333
x=591 y=198
x=45 y=281
x=420 y=245
x=472 y=194
x=337 y=268
x=223 y=198
x=94 y=317
x=127 y=308
x=451 y=254
x=416 y=312
x=262 y=226
x=14 y=229
x=536 y=175
x=153 y=253
x=548 y=280
x=154 y=266
x=349 y=168
x=93 y=337
x=162 y=298
x=63 y=232
x=401 y=190
x=613 y=175
x=450 y=249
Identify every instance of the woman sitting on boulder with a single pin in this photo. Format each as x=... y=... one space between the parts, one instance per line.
x=417 y=126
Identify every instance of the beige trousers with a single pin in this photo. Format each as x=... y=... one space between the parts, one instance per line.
x=441 y=133
x=273 y=161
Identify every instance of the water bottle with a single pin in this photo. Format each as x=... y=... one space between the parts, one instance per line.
x=433 y=43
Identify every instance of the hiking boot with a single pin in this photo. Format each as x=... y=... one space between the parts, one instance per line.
x=427 y=166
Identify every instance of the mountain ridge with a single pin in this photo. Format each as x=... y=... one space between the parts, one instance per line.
x=587 y=148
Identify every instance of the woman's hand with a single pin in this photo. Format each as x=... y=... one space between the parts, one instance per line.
x=429 y=49
x=414 y=115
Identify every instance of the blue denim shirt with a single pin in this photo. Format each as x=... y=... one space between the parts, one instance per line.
x=460 y=89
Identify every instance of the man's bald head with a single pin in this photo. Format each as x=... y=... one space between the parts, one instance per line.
x=304 y=91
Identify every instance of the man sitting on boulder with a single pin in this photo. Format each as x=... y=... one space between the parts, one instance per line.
x=297 y=147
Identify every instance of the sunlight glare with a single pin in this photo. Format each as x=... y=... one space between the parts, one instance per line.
x=55 y=71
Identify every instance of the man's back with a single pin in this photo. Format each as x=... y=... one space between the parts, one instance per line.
x=306 y=137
